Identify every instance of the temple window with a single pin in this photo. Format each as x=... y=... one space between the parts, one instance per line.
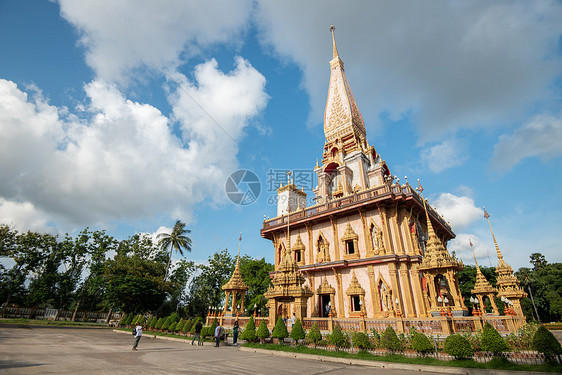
x=350 y=239
x=350 y=249
x=356 y=303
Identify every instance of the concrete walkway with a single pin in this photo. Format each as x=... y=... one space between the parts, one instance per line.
x=46 y=350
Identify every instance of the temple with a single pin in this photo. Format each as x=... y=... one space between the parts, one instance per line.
x=371 y=251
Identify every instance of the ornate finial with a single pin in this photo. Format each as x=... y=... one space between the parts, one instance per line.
x=335 y=50
x=500 y=256
x=289 y=177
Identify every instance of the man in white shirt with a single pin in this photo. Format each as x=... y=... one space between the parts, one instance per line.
x=138 y=335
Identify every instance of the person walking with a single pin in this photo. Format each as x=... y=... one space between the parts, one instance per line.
x=235 y=333
x=138 y=335
x=198 y=327
x=218 y=334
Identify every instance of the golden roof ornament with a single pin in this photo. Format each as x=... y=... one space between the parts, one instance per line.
x=354 y=287
x=236 y=283
x=481 y=286
x=349 y=234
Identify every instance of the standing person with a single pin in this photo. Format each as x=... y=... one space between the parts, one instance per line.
x=197 y=335
x=293 y=320
x=218 y=334
x=138 y=335
x=235 y=333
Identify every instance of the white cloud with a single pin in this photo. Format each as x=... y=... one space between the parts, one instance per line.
x=483 y=251
x=458 y=211
x=123 y=36
x=473 y=64
x=122 y=161
x=23 y=216
x=448 y=154
x=541 y=137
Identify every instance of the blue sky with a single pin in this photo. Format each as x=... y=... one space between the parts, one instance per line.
x=128 y=115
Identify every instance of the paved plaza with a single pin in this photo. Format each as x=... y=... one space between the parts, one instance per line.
x=45 y=350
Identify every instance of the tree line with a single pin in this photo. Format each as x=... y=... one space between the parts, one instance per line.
x=93 y=271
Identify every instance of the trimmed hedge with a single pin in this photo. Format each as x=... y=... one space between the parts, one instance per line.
x=337 y=337
x=457 y=346
x=361 y=340
x=314 y=334
x=249 y=333
x=492 y=341
x=421 y=343
x=297 y=333
x=263 y=331
x=545 y=342
x=280 y=330
x=159 y=323
x=389 y=340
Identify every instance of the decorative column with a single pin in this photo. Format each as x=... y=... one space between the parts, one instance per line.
x=408 y=298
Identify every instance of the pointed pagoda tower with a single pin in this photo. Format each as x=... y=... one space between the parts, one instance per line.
x=359 y=241
x=347 y=157
x=506 y=282
x=234 y=287
x=441 y=271
x=288 y=290
x=482 y=288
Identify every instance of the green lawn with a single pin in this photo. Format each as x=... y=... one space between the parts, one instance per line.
x=498 y=364
x=40 y=322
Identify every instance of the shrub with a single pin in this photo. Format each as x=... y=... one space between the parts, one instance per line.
x=421 y=344
x=337 y=337
x=174 y=318
x=249 y=333
x=376 y=338
x=159 y=323
x=172 y=327
x=126 y=319
x=187 y=326
x=263 y=331
x=297 y=333
x=314 y=334
x=192 y=329
x=361 y=340
x=207 y=331
x=389 y=340
x=457 y=346
x=545 y=342
x=492 y=340
x=474 y=338
x=152 y=322
x=280 y=330
x=213 y=326
x=166 y=324
x=179 y=325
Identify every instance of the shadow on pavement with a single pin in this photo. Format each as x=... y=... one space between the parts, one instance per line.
x=13 y=364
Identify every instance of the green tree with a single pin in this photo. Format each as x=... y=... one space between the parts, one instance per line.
x=545 y=342
x=133 y=278
x=177 y=240
x=280 y=330
x=263 y=331
x=389 y=340
x=249 y=333
x=205 y=288
x=314 y=334
x=337 y=337
x=297 y=333
x=421 y=343
x=255 y=273
x=492 y=341
x=458 y=346
x=361 y=340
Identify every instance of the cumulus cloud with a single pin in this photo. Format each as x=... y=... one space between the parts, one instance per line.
x=540 y=137
x=120 y=37
x=459 y=211
x=445 y=155
x=483 y=250
x=121 y=159
x=454 y=65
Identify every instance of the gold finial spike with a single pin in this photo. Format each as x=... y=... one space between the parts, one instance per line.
x=474 y=255
x=239 y=242
x=317 y=162
x=335 y=50
x=487 y=216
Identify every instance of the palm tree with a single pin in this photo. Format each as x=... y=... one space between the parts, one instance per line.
x=177 y=240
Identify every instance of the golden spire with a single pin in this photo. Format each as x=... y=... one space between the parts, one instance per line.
x=335 y=50
x=236 y=282
x=343 y=124
x=501 y=262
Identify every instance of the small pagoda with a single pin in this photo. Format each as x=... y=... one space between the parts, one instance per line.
x=482 y=288
x=234 y=287
x=288 y=289
x=441 y=271
x=508 y=286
